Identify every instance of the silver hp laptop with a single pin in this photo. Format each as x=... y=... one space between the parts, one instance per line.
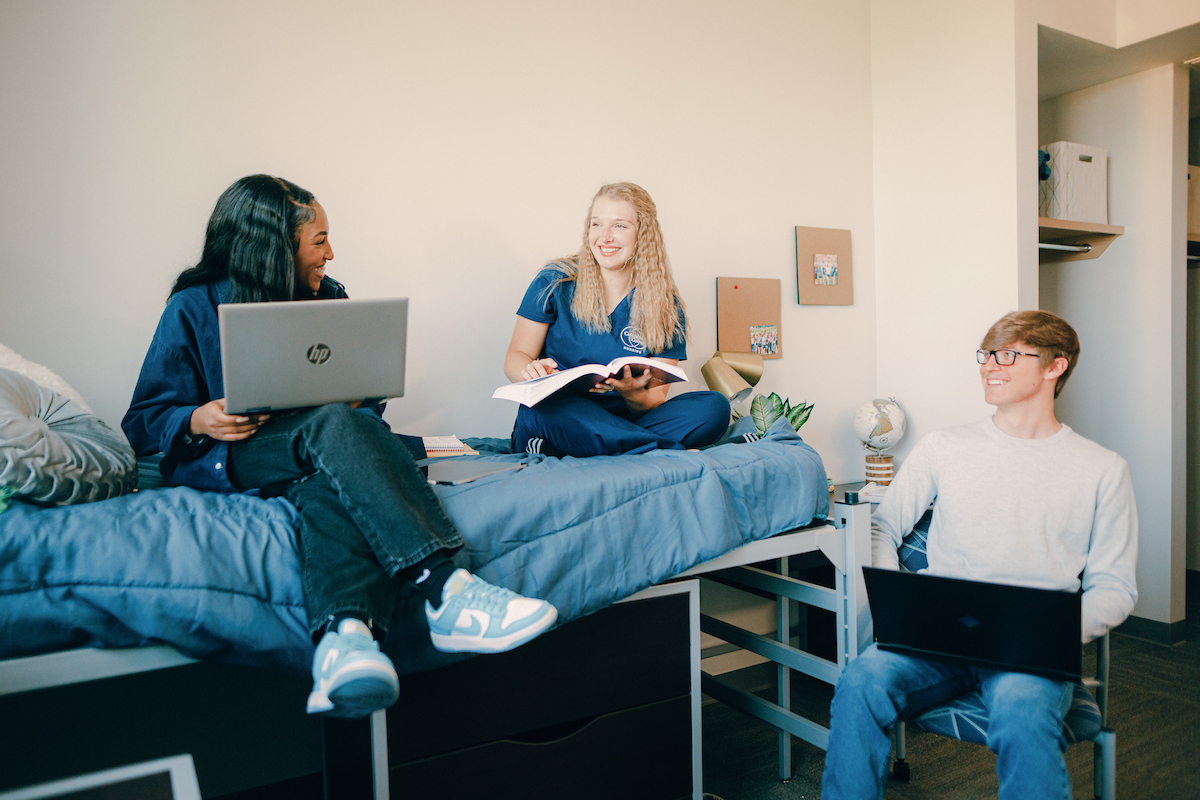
x=1013 y=628
x=311 y=352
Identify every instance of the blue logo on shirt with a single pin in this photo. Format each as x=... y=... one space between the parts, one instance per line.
x=631 y=339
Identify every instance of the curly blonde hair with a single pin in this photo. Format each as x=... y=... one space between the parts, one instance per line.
x=657 y=310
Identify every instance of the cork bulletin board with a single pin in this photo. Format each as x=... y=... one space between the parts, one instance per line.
x=749 y=316
x=824 y=268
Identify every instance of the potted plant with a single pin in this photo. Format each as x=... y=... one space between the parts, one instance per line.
x=764 y=410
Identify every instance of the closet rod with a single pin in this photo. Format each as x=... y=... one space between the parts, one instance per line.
x=1070 y=248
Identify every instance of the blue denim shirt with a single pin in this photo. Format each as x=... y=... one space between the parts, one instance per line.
x=182 y=372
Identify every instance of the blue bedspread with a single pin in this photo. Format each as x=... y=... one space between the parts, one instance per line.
x=216 y=576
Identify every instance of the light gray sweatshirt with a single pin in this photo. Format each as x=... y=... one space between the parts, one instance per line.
x=1053 y=513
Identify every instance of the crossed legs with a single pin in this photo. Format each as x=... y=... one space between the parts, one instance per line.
x=580 y=426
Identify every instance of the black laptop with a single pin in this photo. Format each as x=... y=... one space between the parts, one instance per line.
x=994 y=625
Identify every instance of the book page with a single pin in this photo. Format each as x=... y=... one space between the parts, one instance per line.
x=533 y=391
x=662 y=371
x=442 y=443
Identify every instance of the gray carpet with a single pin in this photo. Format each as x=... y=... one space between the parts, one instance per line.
x=1154 y=707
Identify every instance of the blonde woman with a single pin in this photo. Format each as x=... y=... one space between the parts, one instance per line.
x=613 y=298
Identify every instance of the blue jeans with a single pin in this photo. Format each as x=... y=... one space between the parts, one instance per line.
x=366 y=511
x=1025 y=728
x=583 y=426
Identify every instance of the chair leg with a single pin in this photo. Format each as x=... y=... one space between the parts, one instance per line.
x=1105 y=765
x=899 y=766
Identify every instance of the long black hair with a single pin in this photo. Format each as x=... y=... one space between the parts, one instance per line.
x=251 y=240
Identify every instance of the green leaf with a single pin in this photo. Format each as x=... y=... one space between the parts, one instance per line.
x=777 y=401
x=762 y=411
x=799 y=415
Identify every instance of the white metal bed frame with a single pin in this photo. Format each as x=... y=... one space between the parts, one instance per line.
x=846 y=543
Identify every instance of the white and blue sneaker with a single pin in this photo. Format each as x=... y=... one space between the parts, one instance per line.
x=477 y=617
x=351 y=678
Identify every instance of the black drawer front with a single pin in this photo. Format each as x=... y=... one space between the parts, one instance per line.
x=622 y=656
x=642 y=752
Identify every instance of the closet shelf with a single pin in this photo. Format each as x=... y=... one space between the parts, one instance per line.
x=1093 y=235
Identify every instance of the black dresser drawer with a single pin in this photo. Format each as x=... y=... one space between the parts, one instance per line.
x=643 y=752
x=599 y=708
x=623 y=656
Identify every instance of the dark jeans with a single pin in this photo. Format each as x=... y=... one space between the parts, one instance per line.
x=366 y=511
x=580 y=426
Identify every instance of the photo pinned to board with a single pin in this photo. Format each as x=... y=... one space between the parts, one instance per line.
x=825 y=269
x=764 y=339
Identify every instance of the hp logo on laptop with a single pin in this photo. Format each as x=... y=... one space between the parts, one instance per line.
x=319 y=353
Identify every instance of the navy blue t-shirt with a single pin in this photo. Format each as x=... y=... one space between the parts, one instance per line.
x=570 y=343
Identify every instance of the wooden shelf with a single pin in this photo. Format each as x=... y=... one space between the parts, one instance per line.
x=1063 y=231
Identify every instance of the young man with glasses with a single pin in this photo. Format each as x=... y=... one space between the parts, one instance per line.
x=1021 y=499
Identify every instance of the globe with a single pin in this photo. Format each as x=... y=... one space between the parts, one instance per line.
x=880 y=424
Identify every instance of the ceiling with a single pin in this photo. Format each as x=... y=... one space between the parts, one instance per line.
x=1068 y=63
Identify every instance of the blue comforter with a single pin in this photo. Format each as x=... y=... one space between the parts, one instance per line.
x=216 y=576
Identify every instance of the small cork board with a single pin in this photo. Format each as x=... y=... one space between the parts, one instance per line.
x=824 y=268
x=749 y=317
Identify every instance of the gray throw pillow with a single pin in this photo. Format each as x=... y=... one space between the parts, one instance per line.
x=53 y=451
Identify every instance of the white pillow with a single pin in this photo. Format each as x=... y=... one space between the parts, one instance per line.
x=40 y=375
x=53 y=450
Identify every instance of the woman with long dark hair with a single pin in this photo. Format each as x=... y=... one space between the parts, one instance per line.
x=615 y=297
x=368 y=519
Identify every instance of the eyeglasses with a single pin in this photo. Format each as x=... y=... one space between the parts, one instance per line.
x=1004 y=358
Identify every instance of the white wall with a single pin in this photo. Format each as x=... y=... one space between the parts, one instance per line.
x=455 y=147
x=949 y=136
x=1090 y=19
x=1129 y=390
x=1116 y=23
x=1143 y=19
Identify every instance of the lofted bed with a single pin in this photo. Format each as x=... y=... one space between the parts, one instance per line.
x=169 y=620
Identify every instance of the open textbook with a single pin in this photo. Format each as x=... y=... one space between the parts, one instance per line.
x=532 y=392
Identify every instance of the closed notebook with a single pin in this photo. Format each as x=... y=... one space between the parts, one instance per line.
x=457 y=472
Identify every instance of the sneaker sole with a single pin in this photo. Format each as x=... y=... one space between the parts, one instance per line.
x=357 y=690
x=460 y=643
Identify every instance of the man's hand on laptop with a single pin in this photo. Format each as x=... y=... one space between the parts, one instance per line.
x=211 y=420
